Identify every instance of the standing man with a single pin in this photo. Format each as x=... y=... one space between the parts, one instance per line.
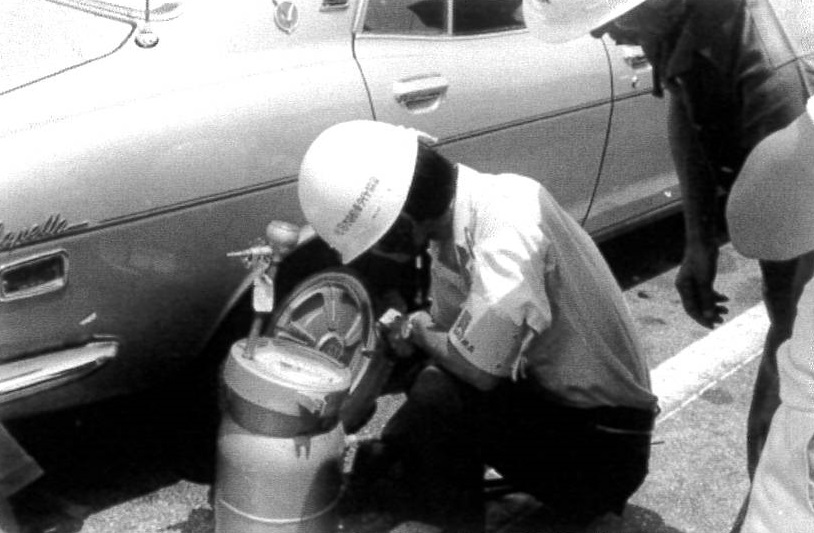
x=735 y=71
x=771 y=216
x=535 y=368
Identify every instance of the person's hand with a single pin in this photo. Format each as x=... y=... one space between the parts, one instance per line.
x=694 y=283
x=397 y=330
x=420 y=322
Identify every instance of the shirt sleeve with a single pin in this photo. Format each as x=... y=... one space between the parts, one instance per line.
x=487 y=338
x=507 y=299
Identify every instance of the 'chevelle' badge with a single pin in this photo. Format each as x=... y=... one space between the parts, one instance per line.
x=53 y=226
x=286 y=15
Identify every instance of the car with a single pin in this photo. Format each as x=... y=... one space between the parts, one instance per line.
x=141 y=142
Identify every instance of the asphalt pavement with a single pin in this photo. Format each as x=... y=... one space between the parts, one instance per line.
x=119 y=477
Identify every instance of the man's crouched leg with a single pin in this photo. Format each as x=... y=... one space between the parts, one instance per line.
x=579 y=463
x=427 y=465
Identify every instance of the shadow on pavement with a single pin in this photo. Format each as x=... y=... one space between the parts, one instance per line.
x=634 y=520
x=200 y=520
x=646 y=521
x=106 y=454
x=646 y=252
x=654 y=248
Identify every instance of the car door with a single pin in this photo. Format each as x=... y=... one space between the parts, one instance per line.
x=638 y=178
x=498 y=99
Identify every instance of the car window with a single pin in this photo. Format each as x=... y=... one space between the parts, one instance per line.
x=406 y=17
x=483 y=16
x=41 y=38
x=431 y=17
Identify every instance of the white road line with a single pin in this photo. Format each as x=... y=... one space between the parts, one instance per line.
x=685 y=376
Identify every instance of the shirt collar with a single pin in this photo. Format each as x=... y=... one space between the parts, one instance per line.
x=700 y=35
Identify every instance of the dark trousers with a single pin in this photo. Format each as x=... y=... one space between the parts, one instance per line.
x=580 y=463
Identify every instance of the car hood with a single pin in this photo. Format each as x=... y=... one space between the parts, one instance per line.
x=42 y=38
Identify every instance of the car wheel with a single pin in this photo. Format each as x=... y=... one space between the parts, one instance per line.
x=332 y=312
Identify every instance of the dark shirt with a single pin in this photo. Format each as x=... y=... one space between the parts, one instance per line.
x=742 y=68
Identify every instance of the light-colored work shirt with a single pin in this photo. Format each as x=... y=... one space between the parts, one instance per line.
x=526 y=294
x=782 y=497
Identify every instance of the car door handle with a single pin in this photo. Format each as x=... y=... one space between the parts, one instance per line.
x=34 y=276
x=634 y=57
x=637 y=61
x=421 y=94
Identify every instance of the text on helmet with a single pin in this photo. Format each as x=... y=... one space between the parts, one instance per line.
x=358 y=206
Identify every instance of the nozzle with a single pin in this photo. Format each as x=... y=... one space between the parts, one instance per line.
x=254 y=251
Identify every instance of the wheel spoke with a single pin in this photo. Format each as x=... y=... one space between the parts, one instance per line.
x=297 y=332
x=356 y=331
x=331 y=298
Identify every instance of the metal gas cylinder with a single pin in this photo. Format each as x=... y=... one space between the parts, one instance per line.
x=280 y=443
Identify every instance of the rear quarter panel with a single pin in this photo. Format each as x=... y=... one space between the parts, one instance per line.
x=164 y=159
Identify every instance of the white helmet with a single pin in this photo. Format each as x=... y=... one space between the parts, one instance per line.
x=556 y=21
x=354 y=181
x=770 y=210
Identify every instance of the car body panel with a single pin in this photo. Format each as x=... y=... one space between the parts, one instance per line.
x=153 y=183
x=144 y=287
x=128 y=176
x=638 y=177
x=550 y=124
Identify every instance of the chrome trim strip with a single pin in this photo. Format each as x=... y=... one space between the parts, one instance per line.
x=165 y=11
x=634 y=94
x=88 y=227
x=525 y=121
x=445 y=37
x=195 y=202
x=358 y=19
x=28 y=376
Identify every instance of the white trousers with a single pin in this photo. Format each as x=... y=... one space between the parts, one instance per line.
x=782 y=496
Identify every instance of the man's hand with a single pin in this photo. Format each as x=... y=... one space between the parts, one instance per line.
x=421 y=322
x=397 y=330
x=694 y=283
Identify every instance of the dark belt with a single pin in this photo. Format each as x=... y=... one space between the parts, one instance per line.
x=623 y=419
x=610 y=419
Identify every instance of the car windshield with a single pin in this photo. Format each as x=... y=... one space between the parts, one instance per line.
x=41 y=38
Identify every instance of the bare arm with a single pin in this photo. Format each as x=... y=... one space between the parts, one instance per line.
x=698 y=188
x=696 y=177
